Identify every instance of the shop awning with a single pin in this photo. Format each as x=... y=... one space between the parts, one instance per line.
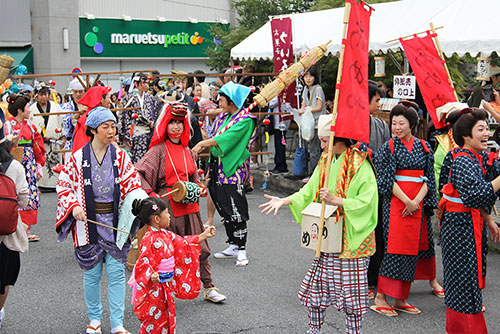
x=22 y=55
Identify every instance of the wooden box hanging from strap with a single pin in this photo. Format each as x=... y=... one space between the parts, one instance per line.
x=332 y=231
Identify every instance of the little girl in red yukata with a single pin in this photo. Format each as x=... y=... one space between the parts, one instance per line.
x=168 y=266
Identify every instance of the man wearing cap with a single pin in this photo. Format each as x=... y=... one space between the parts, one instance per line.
x=69 y=120
x=50 y=127
x=136 y=125
x=485 y=90
x=93 y=185
x=234 y=131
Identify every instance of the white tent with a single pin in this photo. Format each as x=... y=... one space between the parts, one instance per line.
x=469 y=27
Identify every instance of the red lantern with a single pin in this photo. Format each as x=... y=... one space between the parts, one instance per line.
x=267 y=121
x=52 y=82
x=135 y=115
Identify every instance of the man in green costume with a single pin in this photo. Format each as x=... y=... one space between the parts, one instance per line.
x=234 y=131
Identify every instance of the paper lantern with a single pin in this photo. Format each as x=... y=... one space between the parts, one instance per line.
x=483 y=68
x=379 y=67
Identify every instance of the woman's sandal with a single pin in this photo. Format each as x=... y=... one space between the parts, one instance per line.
x=379 y=310
x=410 y=309
x=93 y=330
x=439 y=293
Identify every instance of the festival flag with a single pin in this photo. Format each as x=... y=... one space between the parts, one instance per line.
x=353 y=112
x=281 y=30
x=430 y=73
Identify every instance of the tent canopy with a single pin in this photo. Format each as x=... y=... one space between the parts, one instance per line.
x=469 y=27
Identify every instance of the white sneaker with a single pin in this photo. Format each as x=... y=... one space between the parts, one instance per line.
x=242 y=259
x=231 y=251
x=2 y=315
x=213 y=295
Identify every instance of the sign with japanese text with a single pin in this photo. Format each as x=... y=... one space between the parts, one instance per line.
x=404 y=86
x=281 y=30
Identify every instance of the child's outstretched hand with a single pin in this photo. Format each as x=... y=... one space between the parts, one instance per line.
x=155 y=277
x=208 y=233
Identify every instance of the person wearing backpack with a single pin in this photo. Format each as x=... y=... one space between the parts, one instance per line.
x=13 y=186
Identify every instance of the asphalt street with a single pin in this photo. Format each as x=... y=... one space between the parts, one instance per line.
x=262 y=297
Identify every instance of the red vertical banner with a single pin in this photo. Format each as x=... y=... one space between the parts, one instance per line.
x=431 y=74
x=353 y=112
x=281 y=30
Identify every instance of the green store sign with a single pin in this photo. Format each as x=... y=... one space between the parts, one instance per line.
x=116 y=38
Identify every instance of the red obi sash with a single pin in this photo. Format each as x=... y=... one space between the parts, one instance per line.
x=404 y=232
x=451 y=202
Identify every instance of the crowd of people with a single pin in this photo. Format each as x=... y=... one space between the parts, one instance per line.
x=138 y=148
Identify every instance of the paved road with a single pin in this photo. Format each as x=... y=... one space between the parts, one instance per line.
x=262 y=298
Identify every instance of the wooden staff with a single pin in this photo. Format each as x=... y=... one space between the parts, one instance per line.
x=418 y=33
x=444 y=61
x=81 y=112
x=125 y=109
x=111 y=227
x=254 y=113
x=332 y=134
x=57 y=113
x=82 y=83
x=214 y=75
x=202 y=155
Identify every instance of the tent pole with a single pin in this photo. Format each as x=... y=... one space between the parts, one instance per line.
x=332 y=134
x=444 y=61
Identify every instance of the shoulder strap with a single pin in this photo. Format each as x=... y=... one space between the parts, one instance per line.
x=426 y=149
x=391 y=145
x=5 y=165
x=312 y=95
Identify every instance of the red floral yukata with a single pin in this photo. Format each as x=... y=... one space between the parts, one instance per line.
x=154 y=302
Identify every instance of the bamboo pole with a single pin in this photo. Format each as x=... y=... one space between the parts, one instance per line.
x=81 y=112
x=418 y=33
x=444 y=61
x=332 y=134
x=34 y=76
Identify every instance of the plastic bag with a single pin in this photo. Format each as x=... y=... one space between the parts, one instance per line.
x=307 y=124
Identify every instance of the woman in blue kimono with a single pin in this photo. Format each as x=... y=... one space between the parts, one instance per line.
x=405 y=177
x=465 y=201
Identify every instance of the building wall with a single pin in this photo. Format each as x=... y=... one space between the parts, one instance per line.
x=171 y=10
x=48 y=18
x=15 y=23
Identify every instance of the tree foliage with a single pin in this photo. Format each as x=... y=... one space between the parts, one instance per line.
x=252 y=14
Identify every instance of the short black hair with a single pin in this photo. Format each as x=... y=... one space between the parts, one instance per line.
x=5 y=155
x=44 y=90
x=348 y=142
x=229 y=101
x=89 y=133
x=467 y=119
x=200 y=78
x=374 y=89
x=313 y=70
x=408 y=110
